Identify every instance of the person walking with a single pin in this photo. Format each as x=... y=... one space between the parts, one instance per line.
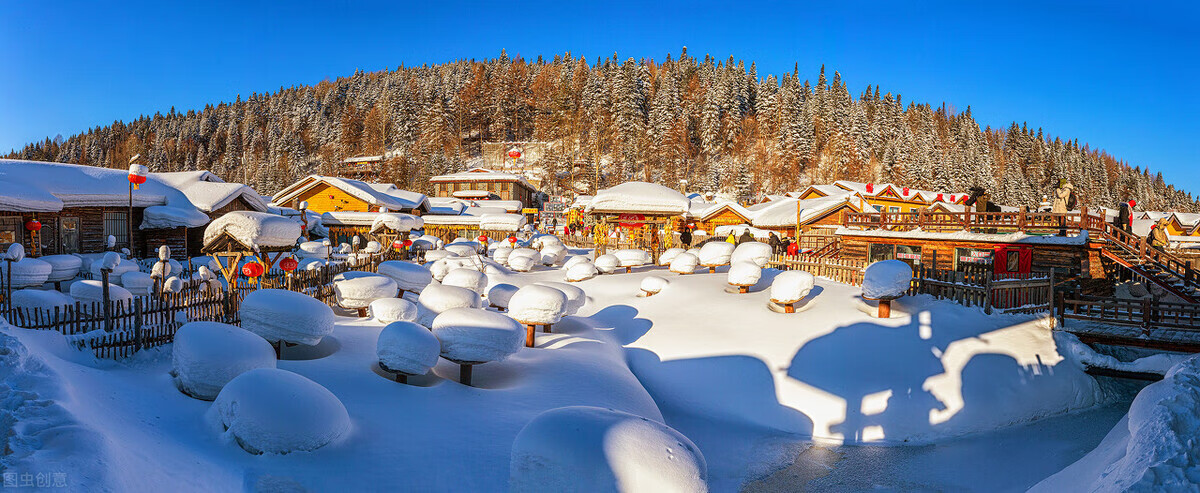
x=773 y=240
x=1159 y=237
x=731 y=239
x=685 y=237
x=1064 y=201
x=746 y=237
x=1124 y=220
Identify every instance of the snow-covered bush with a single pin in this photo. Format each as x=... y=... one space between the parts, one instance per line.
x=581 y=271
x=595 y=449
x=886 y=279
x=752 y=251
x=472 y=336
x=62 y=267
x=38 y=299
x=436 y=299
x=358 y=292
x=537 y=305
x=467 y=278
x=388 y=310
x=575 y=296
x=521 y=264
x=669 y=255
x=408 y=276
x=90 y=291
x=27 y=272
x=207 y=355
x=373 y=247
x=280 y=315
x=500 y=294
x=791 y=286
x=652 y=285
x=267 y=410
x=607 y=263
x=406 y=348
x=138 y=283
x=684 y=263
x=716 y=253
x=744 y=273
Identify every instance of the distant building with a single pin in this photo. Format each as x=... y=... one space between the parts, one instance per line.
x=333 y=194
x=483 y=184
x=365 y=168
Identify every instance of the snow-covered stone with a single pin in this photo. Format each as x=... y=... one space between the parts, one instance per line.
x=521 y=264
x=268 y=410
x=207 y=355
x=360 y=291
x=436 y=299
x=138 y=283
x=26 y=272
x=39 y=299
x=744 y=273
x=474 y=336
x=62 y=267
x=791 y=286
x=254 y=229
x=467 y=278
x=280 y=315
x=388 y=310
x=537 y=304
x=581 y=271
x=684 y=263
x=669 y=255
x=653 y=284
x=408 y=276
x=583 y=448
x=500 y=294
x=716 y=253
x=886 y=279
x=607 y=263
x=752 y=251
x=632 y=257
x=407 y=348
x=92 y=291
x=576 y=298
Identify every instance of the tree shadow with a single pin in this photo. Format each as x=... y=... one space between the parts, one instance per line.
x=623 y=322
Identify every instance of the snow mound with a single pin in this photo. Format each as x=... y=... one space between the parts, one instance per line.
x=396 y=221
x=501 y=222
x=138 y=283
x=359 y=292
x=536 y=304
x=576 y=298
x=792 y=286
x=62 y=267
x=607 y=263
x=752 y=251
x=314 y=249
x=524 y=252
x=463 y=249
x=521 y=264
x=408 y=276
x=632 y=257
x=500 y=294
x=436 y=299
x=542 y=241
x=26 y=272
x=280 y=315
x=886 y=279
x=37 y=299
x=571 y=262
x=207 y=355
x=407 y=348
x=581 y=271
x=467 y=278
x=744 y=273
x=685 y=263
x=254 y=229
x=716 y=253
x=501 y=254
x=639 y=197
x=474 y=336
x=15 y=252
x=583 y=448
x=669 y=255
x=427 y=242
x=653 y=284
x=435 y=255
x=267 y=410
x=119 y=267
x=553 y=254
x=92 y=291
x=373 y=247
x=388 y=310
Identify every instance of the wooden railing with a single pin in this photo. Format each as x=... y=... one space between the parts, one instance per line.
x=845 y=271
x=1146 y=314
x=1135 y=244
x=991 y=222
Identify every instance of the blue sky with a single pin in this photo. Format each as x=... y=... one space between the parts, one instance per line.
x=1118 y=75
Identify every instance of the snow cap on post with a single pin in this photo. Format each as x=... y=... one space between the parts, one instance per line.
x=15 y=253
x=164 y=253
x=137 y=175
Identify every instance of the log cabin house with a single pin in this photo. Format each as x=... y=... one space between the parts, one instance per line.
x=481 y=184
x=332 y=194
x=885 y=197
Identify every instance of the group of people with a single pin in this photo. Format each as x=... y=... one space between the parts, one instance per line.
x=784 y=246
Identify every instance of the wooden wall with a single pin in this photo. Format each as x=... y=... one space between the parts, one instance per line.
x=1065 y=259
x=91 y=232
x=320 y=203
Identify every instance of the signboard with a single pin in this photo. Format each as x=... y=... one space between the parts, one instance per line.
x=974 y=256
x=529 y=210
x=628 y=220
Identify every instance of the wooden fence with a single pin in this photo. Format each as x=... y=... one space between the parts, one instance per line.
x=992 y=222
x=845 y=271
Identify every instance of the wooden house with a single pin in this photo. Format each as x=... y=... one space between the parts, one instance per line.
x=1012 y=253
x=332 y=194
x=791 y=216
x=709 y=216
x=885 y=197
x=641 y=212
x=480 y=183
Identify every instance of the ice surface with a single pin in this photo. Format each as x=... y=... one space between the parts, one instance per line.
x=267 y=410
x=207 y=355
x=535 y=304
x=407 y=348
x=886 y=279
x=280 y=315
x=473 y=336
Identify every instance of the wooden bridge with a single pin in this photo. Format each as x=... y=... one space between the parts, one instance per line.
x=1142 y=323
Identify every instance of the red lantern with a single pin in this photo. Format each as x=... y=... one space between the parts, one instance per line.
x=952 y=199
x=397 y=244
x=512 y=239
x=407 y=243
x=137 y=180
x=870 y=188
x=33 y=225
x=482 y=238
x=289 y=264
x=514 y=153
x=252 y=269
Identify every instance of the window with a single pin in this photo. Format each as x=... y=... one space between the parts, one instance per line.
x=10 y=229
x=893 y=209
x=116 y=224
x=68 y=234
x=909 y=254
x=972 y=258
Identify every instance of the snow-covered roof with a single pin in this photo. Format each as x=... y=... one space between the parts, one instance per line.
x=411 y=200
x=208 y=192
x=1080 y=239
x=952 y=207
x=37 y=186
x=782 y=213
x=253 y=230
x=481 y=174
x=705 y=211
x=639 y=197
x=378 y=194
x=825 y=190
x=507 y=205
x=581 y=202
x=446 y=220
x=447 y=206
x=879 y=188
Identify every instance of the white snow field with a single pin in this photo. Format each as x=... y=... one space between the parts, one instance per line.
x=828 y=398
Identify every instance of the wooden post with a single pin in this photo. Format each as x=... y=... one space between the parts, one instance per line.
x=464 y=374
x=885 y=308
x=529 y=328
x=108 y=325
x=137 y=325
x=1146 y=317
x=362 y=312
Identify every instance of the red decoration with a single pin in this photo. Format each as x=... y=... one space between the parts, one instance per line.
x=252 y=269
x=952 y=199
x=905 y=190
x=397 y=244
x=482 y=238
x=289 y=264
x=137 y=180
x=331 y=197
x=407 y=243
x=631 y=220
x=33 y=225
x=870 y=188
x=939 y=198
x=514 y=153
x=512 y=239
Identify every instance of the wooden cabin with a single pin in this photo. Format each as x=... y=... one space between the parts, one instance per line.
x=332 y=194
x=479 y=181
x=885 y=197
x=997 y=253
x=787 y=217
x=643 y=213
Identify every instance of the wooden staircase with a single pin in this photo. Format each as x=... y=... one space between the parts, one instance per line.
x=1130 y=252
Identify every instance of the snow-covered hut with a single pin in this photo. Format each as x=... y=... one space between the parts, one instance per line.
x=638 y=211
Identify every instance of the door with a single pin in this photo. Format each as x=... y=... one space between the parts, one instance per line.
x=68 y=234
